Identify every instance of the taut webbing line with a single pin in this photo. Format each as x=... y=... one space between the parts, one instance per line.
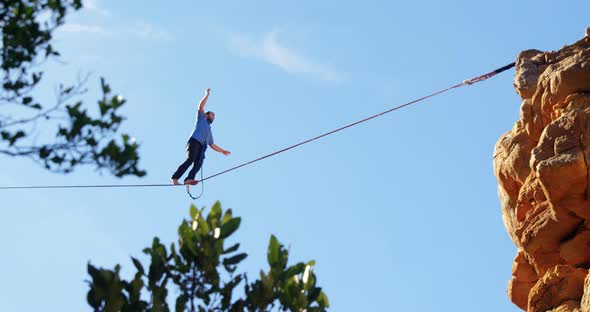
x=466 y=82
x=83 y=186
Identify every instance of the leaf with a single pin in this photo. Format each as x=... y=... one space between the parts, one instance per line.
x=313 y=294
x=181 y=303
x=323 y=300
x=138 y=265
x=93 y=299
x=231 y=249
x=230 y=227
x=230 y=268
x=105 y=87
x=227 y=216
x=57 y=160
x=216 y=209
x=184 y=233
x=103 y=107
x=117 y=101
x=134 y=288
x=273 y=251
x=29 y=11
x=194 y=212
x=203 y=227
x=214 y=215
x=156 y=271
x=293 y=270
x=36 y=77
x=44 y=152
x=16 y=137
x=93 y=271
x=235 y=259
x=227 y=291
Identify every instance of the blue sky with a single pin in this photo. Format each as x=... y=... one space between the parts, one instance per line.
x=400 y=214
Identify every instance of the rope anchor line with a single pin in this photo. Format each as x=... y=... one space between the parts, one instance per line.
x=467 y=82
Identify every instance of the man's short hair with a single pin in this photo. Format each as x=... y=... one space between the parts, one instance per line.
x=209 y=112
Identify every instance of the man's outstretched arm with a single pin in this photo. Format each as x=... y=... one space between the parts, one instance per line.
x=220 y=150
x=204 y=100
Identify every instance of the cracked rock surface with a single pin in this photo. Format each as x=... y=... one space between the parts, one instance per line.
x=542 y=167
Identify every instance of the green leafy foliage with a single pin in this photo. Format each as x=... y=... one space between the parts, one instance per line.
x=27 y=31
x=108 y=292
x=201 y=272
x=26 y=37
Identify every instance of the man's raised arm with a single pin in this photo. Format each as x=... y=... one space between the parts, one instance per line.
x=204 y=100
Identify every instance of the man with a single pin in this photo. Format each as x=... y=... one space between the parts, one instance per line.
x=201 y=137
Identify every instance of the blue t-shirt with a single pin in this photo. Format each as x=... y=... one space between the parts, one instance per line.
x=202 y=132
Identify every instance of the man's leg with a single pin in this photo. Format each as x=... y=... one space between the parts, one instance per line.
x=191 y=156
x=190 y=179
x=197 y=161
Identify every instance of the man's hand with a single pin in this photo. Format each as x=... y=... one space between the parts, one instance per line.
x=204 y=100
x=220 y=150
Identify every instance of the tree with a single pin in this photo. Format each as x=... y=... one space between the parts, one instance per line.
x=193 y=272
x=27 y=28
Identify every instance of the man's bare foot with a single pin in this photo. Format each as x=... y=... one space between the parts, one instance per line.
x=174 y=181
x=190 y=182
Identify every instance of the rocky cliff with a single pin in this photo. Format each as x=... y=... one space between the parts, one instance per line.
x=542 y=167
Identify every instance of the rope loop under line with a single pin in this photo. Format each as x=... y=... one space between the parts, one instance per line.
x=464 y=83
x=188 y=190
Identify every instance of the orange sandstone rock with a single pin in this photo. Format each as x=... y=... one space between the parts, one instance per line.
x=543 y=171
x=558 y=286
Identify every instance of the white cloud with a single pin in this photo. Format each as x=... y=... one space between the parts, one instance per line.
x=270 y=50
x=88 y=29
x=92 y=5
x=142 y=31
x=149 y=32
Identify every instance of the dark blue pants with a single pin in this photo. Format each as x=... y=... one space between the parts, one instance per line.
x=194 y=151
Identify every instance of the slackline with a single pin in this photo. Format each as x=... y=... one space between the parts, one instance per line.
x=464 y=83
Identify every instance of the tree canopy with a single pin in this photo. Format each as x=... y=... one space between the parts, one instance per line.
x=79 y=138
x=201 y=272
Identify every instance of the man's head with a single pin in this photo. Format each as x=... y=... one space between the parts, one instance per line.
x=210 y=116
